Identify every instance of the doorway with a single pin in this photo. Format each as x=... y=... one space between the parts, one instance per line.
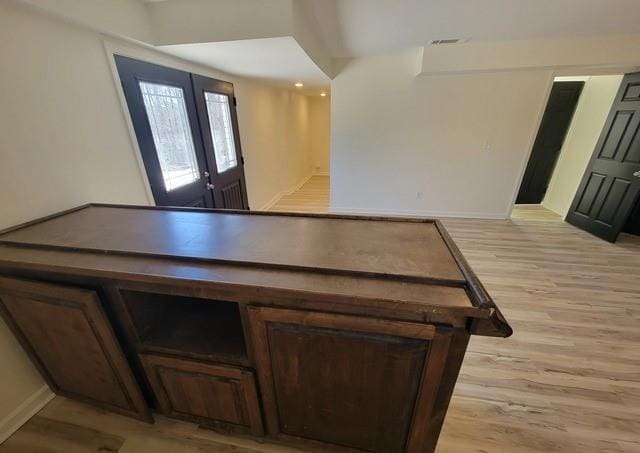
x=548 y=144
x=187 y=130
x=605 y=123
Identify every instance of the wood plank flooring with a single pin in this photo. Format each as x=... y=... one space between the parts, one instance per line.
x=568 y=380
x=313 y=196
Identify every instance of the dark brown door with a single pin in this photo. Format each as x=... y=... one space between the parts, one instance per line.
x=188 y=137
x=69 y=339
x=165 y=119
x=546 y=149
x=347 y=381
x=610 y=186
x=216 y=106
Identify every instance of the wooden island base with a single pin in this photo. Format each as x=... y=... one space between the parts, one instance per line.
x=334 y=332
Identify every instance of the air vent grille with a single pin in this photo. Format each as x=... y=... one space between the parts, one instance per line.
x=449 y=41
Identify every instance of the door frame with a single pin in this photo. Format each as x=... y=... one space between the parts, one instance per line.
x=531 y=142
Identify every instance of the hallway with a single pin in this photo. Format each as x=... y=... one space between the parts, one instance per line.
x=313 y=196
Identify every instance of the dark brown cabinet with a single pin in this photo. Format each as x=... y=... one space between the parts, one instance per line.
x=214 y=395
x=347 y=381
x=336 y=333
x=69 y=338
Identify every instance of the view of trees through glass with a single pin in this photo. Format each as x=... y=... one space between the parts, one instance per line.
x=167 y=113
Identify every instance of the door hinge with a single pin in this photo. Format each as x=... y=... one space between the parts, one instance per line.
x=235 y=101
x=242 y=160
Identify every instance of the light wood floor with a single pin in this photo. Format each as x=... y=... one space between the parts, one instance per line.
x=568 y=380
x=313 y=196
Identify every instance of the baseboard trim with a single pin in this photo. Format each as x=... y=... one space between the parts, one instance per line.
x=415 y=213
x=300 y=183
x=269 y=204
x=21 y=414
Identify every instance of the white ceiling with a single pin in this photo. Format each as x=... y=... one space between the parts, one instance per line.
x=353 y=28
x=279 y=60
x=334 y=28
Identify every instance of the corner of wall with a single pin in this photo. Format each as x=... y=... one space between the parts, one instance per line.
x=269 y=204
x=21 y=414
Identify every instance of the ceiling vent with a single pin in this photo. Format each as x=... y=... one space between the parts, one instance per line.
x=449 y=41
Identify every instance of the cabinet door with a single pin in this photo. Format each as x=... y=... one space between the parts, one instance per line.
x=70 y=340
x=346 y=381
x=215 y=395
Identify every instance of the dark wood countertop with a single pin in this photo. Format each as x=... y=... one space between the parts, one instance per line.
x=411 y=263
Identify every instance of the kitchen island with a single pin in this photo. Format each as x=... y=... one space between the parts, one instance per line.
x=337 y=333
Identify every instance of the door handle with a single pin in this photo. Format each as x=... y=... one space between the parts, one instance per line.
x=210 y=186
x=637 y=174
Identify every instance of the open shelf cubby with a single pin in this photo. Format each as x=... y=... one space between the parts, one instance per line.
x=188 y=326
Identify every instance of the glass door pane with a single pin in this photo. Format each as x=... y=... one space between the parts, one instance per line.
x=167 y=112
x=221 y=131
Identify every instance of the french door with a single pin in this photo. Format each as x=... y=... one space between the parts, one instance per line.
x=187 y=130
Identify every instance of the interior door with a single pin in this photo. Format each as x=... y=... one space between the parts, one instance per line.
x=216 y=106
x=164 y=115
x=67 y=335
x=546 y=149
x=610 y=186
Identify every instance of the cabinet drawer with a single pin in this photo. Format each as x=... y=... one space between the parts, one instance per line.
x=214 y=395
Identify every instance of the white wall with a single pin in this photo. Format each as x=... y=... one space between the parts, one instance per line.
x=320 y=122
x=190 y=21
x=65 y=141
x=446 y=145
x=120 y=17
x=274 y=129
x=588 y=120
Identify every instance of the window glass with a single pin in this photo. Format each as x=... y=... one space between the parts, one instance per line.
x=167 y=113
x=221 y=129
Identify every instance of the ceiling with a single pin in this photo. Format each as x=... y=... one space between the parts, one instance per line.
x=355 y=28
x=280 y=60
x=279 y=40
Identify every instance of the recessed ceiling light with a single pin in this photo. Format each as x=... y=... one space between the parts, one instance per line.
x=323 y=94
x=299 y=84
